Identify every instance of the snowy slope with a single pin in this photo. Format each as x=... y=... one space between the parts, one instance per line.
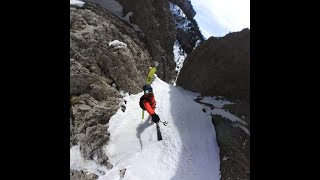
x=188 y=150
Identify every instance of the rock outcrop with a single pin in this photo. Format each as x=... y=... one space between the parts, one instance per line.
x=188 y=33
x=234 y=143
x=82 y=175
x=219 y=67
x=99 y=70
x=155 y=21
x=186 y=7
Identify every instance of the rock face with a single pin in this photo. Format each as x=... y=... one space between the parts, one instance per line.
x=186 y=7
x=98 y=72
x=233 y=139
x=159 y=29
x=81 y=175
x=190 y=38
x=92 y=29
x=188 y=33
x=234 y=143
x=219 y=67
x=155 y=20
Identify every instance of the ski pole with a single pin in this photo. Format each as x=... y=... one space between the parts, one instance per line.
x=165 y=123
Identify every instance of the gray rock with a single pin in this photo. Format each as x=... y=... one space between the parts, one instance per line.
x=234 y=146
x=94 y=69
x=186 y=7
x=93 y=62
x=155 y=20
x=188 y=32
x=109 y=165
x=219 y=67
x=82 y=175
x=122 y=173
x=89 y=123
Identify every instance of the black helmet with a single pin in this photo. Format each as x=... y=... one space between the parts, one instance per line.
x=147 y=87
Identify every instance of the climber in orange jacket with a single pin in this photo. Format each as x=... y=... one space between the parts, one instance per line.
x=148 y=102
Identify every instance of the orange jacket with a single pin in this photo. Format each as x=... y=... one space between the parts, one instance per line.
x=150 y=106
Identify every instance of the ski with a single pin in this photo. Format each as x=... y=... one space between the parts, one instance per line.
x=142 y=116
x=149 y=79
x=152 y=70
x=159 y=136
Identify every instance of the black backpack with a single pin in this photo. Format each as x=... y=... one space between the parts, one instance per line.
x=141 y=101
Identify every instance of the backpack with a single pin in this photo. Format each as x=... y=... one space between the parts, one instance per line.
x=141 y=101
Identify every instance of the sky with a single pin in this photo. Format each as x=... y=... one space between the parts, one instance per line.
x=189 y=148
x=219 y=17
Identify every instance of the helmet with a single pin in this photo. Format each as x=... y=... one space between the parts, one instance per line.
x=147 y=88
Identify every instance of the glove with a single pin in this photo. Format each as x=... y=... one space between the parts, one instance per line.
x=155 y=118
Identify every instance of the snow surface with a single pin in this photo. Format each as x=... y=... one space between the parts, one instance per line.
x=77 y=162
x=116 y=8
x=111 y=5
x=197 y=43
x=77 y=3
x=116 y=44
x=179 y=57
x=188 y=151
x=218 y=102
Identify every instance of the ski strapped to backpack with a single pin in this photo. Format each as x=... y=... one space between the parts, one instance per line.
x=149 y=80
